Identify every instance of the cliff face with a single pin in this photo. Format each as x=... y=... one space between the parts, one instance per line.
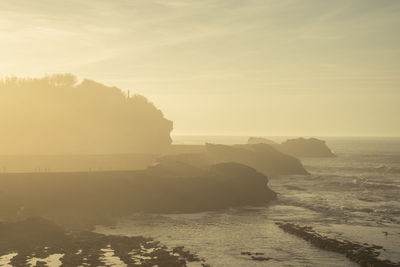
x=300 y=147
x=56 y=114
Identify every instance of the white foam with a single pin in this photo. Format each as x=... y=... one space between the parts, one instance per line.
x=52 y=261
x=6 y=259
x=110 y=259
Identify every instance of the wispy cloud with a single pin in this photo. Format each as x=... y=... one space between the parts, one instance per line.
x=264 y=56
x=198 y=40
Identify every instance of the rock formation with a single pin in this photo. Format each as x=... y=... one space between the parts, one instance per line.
x=58 y=115
x=364 y=254
x=96 y=196
x=300 y=147
x=260 y=140
x=38 y=242
x=262 y=157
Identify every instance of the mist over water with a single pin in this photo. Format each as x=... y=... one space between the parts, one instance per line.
x=199 y=133
x=223 y=198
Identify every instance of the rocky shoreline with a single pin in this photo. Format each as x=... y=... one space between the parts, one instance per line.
x=365 y=255
x=38 y=241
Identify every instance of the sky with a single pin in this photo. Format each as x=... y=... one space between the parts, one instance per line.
x=224 y=67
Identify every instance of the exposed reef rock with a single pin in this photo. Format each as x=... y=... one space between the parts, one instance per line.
x=57 y=115
x=96 y=196
x=256 y=256
x=365 y=255
x=37 y=240
x=300 y=147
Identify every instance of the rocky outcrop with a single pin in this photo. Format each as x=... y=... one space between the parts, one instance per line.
x=364 y=254
x=165 y=188
x=260 y=140
x=255 y=256
x=34 y=241
x=262 y=157
x=30 y=232
x=300 y=147
x=188 y=188
x=58 y=115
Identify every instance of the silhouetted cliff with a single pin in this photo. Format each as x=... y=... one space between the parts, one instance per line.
x=56 y=114
x=94 y=196
x=262 y=157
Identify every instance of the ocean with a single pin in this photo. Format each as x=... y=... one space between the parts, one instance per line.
x=354 y=196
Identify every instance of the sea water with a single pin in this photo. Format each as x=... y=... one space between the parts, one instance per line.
x=354 y=196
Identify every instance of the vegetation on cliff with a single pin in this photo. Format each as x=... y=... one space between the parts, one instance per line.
x=57 y=114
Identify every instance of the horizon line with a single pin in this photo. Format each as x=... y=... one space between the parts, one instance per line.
x=261 y=135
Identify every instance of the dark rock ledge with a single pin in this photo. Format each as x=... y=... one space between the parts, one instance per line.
x=366 y=255
x=256 y=256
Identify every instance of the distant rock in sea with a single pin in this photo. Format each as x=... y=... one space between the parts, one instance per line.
x=300 y=147
x=260 y=140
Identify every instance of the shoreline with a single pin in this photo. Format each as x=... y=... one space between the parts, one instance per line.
x=40 y=242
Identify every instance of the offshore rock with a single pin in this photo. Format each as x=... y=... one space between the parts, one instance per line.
x=300 y=147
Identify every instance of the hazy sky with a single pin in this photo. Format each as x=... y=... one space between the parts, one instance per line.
x=254 y=67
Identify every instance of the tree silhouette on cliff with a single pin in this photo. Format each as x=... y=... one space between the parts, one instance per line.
x=58 y=114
